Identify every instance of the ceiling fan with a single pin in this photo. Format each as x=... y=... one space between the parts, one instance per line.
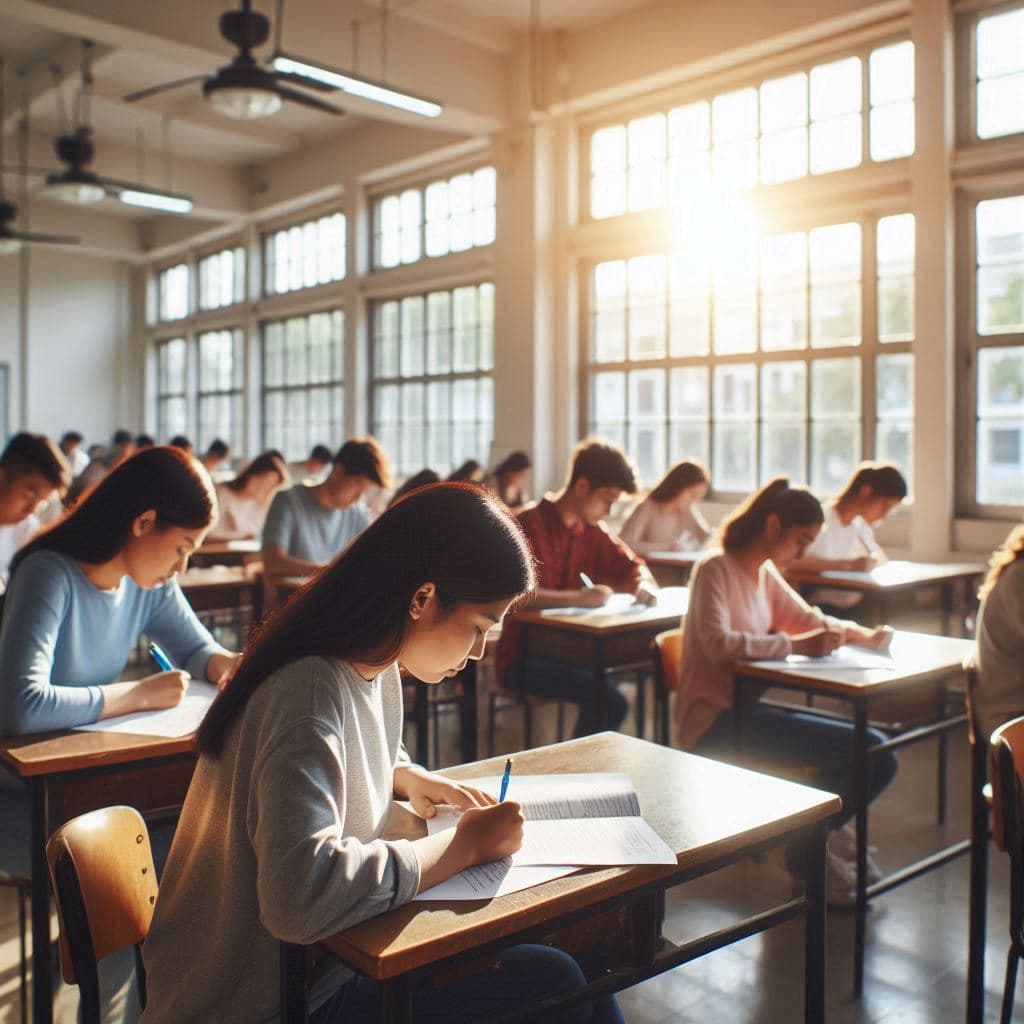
x=247 y=89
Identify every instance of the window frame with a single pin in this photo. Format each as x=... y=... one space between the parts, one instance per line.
x=186 y=394
x=268 y=265
x=237 y=436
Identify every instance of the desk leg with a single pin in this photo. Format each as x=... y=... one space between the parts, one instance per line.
x=978 y=887
x=395 y=1006
x=42 y=996
x=859 y=788
x=941 y=703
x=947 y=609
x=601 y=682
x=814 y=928
x=468 y=712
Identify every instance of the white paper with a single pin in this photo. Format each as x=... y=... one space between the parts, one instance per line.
x=181 y=720
x=844 y=658
x=617 y=604
x=485 y=881
x=592 y=841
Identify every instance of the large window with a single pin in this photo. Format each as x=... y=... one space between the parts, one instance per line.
x=806 y=122
x=172 y=389
x=433 y=384
x=303 y=391
x=758 y=357
x=999 y=74
x=221 y=376
x=305 y=255
x=450 y=215
x=172 y=289
x=222 y=278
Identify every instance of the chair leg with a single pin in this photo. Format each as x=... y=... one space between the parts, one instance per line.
x=527 y=725
x=1011 y=983
x=641 y=704
x=23 y=969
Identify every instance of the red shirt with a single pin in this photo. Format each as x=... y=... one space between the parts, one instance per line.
x=562 y=553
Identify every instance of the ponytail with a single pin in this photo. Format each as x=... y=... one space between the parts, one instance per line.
x=794 y=506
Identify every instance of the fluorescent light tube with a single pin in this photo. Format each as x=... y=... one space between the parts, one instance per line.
x=156 y=200
x=368 y=90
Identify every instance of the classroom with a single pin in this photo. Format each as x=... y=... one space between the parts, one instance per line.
x=342 y=249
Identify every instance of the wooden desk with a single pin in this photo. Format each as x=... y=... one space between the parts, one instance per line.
x=226 y=552
x=672 y=568
x=602 y=642
x=922 y=662
x=69 y=773
x=223 y=588
x=883 y=586
x=712 y=814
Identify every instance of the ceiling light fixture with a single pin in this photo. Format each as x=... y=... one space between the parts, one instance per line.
x=164 y=201
x=355 y=85
x=74 y=186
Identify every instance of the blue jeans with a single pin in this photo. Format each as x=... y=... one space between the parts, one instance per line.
x=560 y=681
x=525 y=970
x=805 y=739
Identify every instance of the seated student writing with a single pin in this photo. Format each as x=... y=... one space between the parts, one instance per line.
x=307 y=526
x=32 y=470
x=668 y=519
x=281 y=835
x=742 y=608
x=508 y=480
x=84 y=590
x=999 y=695
x=569 y=539
x=244 y=501
x=847 y=540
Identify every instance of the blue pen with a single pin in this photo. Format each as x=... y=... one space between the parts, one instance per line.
x=162 y=661
x=504 y=781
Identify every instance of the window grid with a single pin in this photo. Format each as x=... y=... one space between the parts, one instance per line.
x=432 y=388
x=172 y=388
x=304 y=255
x=800 y=381
x=445 y=216
x=219 y=397
x=172 y=289
x=829 y=117
x=303 y=392
x=998 y=62
x=222 y=278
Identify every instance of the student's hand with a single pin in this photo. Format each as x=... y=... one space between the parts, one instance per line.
x=489 y=833
x=879 y=638
x=647 y=593
x=817 y=645
x=425 y=790
x=862 y=564
x=594 y=597
x=220 y=667
x=163 y=690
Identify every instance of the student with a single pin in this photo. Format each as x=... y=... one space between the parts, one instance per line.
x=143 y=441
x=299 y=759
x=122 y=446
x=82 y=592
x=668 y=518
x=847 y=540
x=243 y=502
x=313 y=469
x=741 y=607
x=508 y=478
x=216 y=456
x=421 y=479
x=71 y=445
x=307 y=526
x=470 y=472
x=182 y=442
x=569 y=539
x=32 y=470
x=1000 y=692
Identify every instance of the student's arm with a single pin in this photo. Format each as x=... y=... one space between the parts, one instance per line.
x=698 y=525
x=174 y=625
x=277 y=534
x=634 y=529
x=615 y=563
x=278 y=563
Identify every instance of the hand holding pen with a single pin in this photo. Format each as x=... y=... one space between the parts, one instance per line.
x=165 y=689
x=594 y=595
x=504 y=781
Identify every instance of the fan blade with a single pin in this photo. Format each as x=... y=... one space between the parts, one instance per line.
x=141 y=94
x=309 y=101
x=26 y=236
x=304 y=81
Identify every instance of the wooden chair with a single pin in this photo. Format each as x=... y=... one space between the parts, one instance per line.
x=1007 y=769
x=104 y=882
x=667 y=653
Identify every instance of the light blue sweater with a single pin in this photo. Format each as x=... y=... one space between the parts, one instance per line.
x=63 y=637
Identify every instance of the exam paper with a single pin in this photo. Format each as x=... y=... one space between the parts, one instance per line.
x=592 y=841
x=171 y=722
x=844 y=657
x=485 y=881
x=617 y=604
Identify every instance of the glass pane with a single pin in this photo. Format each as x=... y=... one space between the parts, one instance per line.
x=689 y=128
x=646 y=446
x=688 y=440
x=273 y=354
x=646 y=281
x=835 y=144
x=608 y=398
x=1001 y=44
x=412 y=217
x=439 y=332
x=386 y=341
x=689 y=309
x=835 y=89
x=835 y=388
x=892 y=131
x=465 y=351
x=784 y=450
x=735 y=321
x=647 y=395
x=485 y=297
x=784 y=390
x=784 y=156
x=608 y=195
x=891 y=72
x=784 y=103
x=894 y=386
x=1000 y=461
x=1001 y=299
x=735 y=392
x=295 y=350
x=896 y=244
x=688 y=392
x=732 y=465
x=835 y=450
x=413 y=343
x=608 y=340
x=734 y=164
x=608 y=149
x=895 y=309
x=388 y=220
x=460 y=194
x=894 y=442
x=1001 y=106
x=734 y=116
x=437 y=218
x=1001 y=382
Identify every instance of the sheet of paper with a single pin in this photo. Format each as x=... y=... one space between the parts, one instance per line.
x=485 y=881
x=177 y=721
x=592 y=841
x=617 y=604
x=845 y=658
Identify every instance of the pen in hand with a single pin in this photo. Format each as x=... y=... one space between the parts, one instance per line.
x=156 y=652
x=587 y=581
x=504 y=781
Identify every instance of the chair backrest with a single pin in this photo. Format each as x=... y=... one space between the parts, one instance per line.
x=971 y=689
x=101 y=868
x=668 y=659
x=1007 y=770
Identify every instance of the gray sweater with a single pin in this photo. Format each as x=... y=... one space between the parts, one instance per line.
x=1000 y=694
x=280 y=839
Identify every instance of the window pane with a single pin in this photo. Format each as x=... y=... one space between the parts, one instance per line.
x=835 y=144
x=734 y=116
x=835 y=89
x=1000 y=427
x=784 y=420
x=892 y=131
x=1000 y=280
x=1001 y=106
x=646 y=275
x=895 y=251
x=835 y=285
x=784 y=103
x=607 y=400
x=608 y=338
x=646 y=151
x=835 y=422
x=735 y=419
x=608 y=149
x=1001 y=44
x=784 y=156
x=689 y=128
x=891 y=71
x=689 y=310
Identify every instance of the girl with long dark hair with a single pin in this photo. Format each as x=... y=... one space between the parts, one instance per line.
x=243 y=502
x=300 y=757
x=669 y=518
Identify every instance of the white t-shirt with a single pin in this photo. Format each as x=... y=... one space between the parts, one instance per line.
x=13 y=537
x=839 y=541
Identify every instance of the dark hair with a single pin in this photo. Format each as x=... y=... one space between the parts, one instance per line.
x=514 y=463
x=182 y=442
x=35 y=453
x=218 y=449
x=423 y=478
x=266 y=462
x=163 y=479
x=458 y=537
x=320 y=453
x=121 y=437
x=679 y=478
x=1006 y=554
x=884 y=479
x=144 y=441
x=363 y=456
x=71 y=437
x=795 y=506
x=602 y=465
x=465 y=472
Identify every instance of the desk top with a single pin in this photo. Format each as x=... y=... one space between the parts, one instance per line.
x=680 y=558
x=671 y=607
x=890 y=576
x=51 y=752
x=917 y=657
x=216 y=576
x=703 y=809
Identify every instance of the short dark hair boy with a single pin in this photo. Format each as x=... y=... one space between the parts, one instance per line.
x=363 y=456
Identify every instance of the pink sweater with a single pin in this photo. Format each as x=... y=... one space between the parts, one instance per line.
x=732 y=617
